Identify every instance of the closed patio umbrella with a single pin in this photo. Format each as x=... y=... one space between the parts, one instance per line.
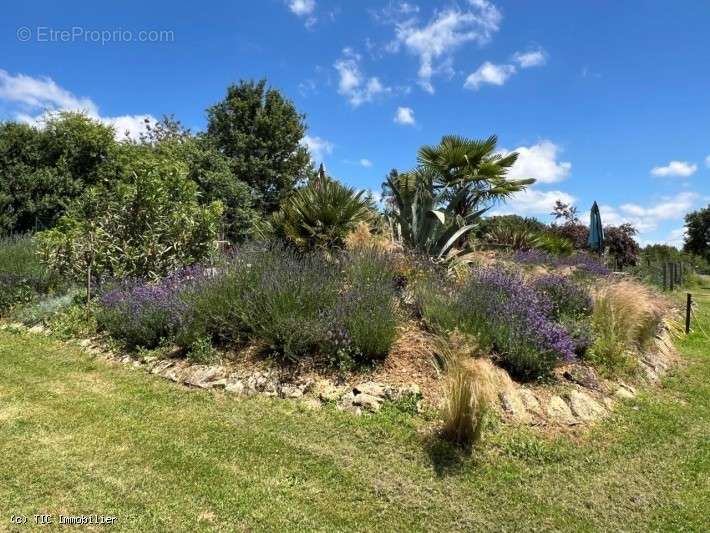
x=596 y=231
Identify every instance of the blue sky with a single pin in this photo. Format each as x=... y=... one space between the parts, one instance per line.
x=605 y=100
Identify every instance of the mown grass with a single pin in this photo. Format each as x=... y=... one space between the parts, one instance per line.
x=81 y=436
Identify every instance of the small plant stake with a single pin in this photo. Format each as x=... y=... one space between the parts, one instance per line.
x=688 y=306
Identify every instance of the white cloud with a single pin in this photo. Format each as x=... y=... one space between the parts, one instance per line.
x=394 y=12
x=646 y=219
x=365 y=163
x=302 y=7
x=41 y=93
x=489 y=73
x=131 y=125
x=540 y=161
x=39 y=98
x=531 y=58
x=318 y=147
x=435 y=42
x=533 y=202
x=675 y=168
x=707 y=161
x=353 y=84
x=676 y=237
x=405 y=116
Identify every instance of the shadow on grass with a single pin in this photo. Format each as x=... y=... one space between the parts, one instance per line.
x=446 y=458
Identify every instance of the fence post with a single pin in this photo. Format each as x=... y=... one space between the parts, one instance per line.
x=665 y=275
x=688 y=304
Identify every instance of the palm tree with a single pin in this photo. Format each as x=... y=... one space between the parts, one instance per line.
x=321 y=214
x=454 y=183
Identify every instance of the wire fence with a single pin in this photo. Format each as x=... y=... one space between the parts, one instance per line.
x=666 y=275
x=699 y=296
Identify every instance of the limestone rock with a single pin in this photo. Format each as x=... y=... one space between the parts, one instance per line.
x=583 y=375
x=625 y=392
x=291 y=391
x=370 y=388
x=513 y=405
x=559 y=411
x=203 y=377
x=161 y=366
x=585 y=407
x=39 y=330
x=530 y=401
x=235 y=385
x=327 y=391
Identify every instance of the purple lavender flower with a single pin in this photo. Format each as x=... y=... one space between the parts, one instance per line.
x=143 y=313
x=515 y=320
x=564 y=295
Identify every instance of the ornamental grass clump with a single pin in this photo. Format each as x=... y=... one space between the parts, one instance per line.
x=468 y=390
x=465 y=407
x=626 y=318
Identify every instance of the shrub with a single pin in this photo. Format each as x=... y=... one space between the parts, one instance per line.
x=144 y=314
x=295 y=304
x=506 y=315
x=553 y=244
x=146 y=226
x=367 y=312
x=288 y=304
x=583 y=263
x=566 y=297
x=321 y=215
x=22 y=275
x=625 y=317
x=621 y=245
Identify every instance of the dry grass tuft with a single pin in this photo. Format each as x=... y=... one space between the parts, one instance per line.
x=627 y=317
x=363 y=237
x=468 y=389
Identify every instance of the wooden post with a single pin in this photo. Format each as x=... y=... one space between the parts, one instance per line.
x=688 y=305
x=665 y=276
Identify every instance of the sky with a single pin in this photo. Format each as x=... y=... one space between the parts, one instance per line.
x=603 y=100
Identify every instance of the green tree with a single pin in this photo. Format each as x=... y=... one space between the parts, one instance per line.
x=43 y=170
x=147 y=224
x=697 y=227
x=260 y=132
x=433 y=206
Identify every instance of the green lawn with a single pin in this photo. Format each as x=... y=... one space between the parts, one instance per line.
x=79 y=436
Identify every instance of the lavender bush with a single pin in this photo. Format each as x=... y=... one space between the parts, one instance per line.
x=141 y=313
x=506 y=315
x=566 y=297
x=294 y=303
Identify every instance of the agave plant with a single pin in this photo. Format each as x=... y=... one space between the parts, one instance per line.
x=320 y=215
x=455 y=182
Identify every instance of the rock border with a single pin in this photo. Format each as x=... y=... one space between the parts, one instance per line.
x=580 y=397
